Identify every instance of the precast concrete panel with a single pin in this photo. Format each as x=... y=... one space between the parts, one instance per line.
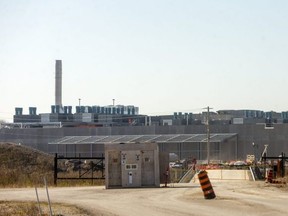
x=131 y=168
x=148 y=174
x=60 y=149
x=170 y=147
x=70 y=150
x=228 y=150
x=190 y=150
x=246 y=134
x=83 y=150
x=114 y=168
x=97 y=150
x=215 y=151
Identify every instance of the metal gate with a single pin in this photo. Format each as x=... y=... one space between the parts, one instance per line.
x=82 y=168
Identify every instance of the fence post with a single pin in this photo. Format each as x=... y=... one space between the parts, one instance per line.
x=283 y=165
x=55 y=169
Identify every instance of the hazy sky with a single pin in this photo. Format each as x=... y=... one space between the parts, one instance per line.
x=160 y=55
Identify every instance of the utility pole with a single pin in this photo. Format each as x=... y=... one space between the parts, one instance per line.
x=208 y=133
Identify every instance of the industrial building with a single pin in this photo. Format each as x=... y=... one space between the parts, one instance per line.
x=240 y=128
x=122 y=115
x=93 y=116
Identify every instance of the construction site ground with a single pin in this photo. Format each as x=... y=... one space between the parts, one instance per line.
x=233 y=197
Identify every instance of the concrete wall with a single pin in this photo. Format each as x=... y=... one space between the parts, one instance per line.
x=222 y=174
x=276 y=138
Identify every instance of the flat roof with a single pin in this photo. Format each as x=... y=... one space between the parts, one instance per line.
x=155 y=138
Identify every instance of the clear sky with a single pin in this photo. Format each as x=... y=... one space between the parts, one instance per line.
x=160 y=55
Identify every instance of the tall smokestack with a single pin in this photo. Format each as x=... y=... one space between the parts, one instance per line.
x=58 y=83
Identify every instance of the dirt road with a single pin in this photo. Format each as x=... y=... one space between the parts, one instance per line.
x=233 y=198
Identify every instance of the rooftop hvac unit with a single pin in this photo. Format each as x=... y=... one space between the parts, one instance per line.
x=65 y=109
x=122 y=110
x=82 y=109
x=108 y=110
x=88 y=109
x=69 y=109
x=175 y=115
x=57 y=109
x=114 y=110
x=118 y=110
x=53 y=109
x=102 y=110
x=95 y=109
x=284 y=115
x=77 y=109
x=129 y=111
x=136 y=110
x=32 y=110
x=18 y=111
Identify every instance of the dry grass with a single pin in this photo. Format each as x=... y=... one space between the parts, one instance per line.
x=31 y=209
x=24 y=167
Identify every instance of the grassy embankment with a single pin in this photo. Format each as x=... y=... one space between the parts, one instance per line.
x=21 y=166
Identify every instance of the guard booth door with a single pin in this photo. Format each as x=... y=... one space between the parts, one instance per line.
x=131 y=168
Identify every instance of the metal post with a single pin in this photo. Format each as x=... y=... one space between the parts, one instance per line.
x=55 y=169
x=49 y=204
x=102 y=165
x=39 y=208
x=264 y=157
x=283 y=165
x=79 y=162
x=254 y=152
x=92 y=169
x=166 y=177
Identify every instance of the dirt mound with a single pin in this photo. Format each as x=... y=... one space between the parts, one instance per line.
x=22 y=166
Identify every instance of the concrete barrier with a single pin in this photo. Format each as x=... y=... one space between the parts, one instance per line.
x=221 y=174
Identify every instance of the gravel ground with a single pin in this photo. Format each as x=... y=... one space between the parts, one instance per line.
x=234 y=197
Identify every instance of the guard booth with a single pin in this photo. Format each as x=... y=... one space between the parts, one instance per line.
x=133 y=165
